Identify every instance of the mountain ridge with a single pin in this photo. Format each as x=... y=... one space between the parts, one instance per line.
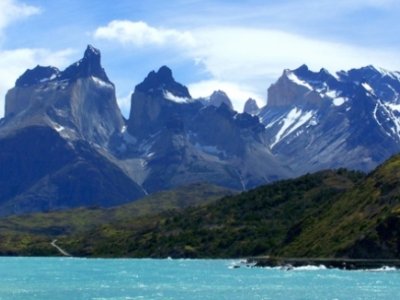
x=316 y=120
x=313 y=121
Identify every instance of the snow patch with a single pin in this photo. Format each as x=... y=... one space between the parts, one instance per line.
x=169 y=96
x=337 y=100
x=368 y=88
x=332 y=94
x=102 y=83
x=150 y=155
x=395 y=93
x=58 y=127
x=336 y=75
x=292 y=77
x=293 y=120
x=313 y=121
x=374 y=114
x=394 y=107
x=52 y=77
x=271 y=123
x=390 y=113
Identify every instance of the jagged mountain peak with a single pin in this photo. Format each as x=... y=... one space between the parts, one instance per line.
x=89 y=65
x=348 y=120
x=78 y=102
x=370 y=73
x=323 y=71
x=309 y=76
x=91 y=52
x=383 y=83
x=39 y=74
x=155 y=101
x=162 y=81
x=363 y=73
x=293 y=85
x=162 y=76
x=302 y=69
x=219 y=93
x=251 y=107
x=165 y=73
x=219 y=98
x=303 y=86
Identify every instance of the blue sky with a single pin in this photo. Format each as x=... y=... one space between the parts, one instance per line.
x=240 y=47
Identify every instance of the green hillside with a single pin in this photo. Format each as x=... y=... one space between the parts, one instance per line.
x=253 y=223
x=364 y=222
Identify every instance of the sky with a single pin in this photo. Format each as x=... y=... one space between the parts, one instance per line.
x=240 y=47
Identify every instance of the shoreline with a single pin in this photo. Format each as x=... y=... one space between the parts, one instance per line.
x=329 y=263
x=256 y=262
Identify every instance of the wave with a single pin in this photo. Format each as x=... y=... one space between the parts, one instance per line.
x=322 y=267
x=241 y=263
x=301 y=268
x=383 y=269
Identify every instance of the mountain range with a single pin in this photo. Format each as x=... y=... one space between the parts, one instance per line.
x=64 y=142
x=318 y=120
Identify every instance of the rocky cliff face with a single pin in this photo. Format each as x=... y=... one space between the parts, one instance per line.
x=156 y=102
x=54 y=140
x=78 y=102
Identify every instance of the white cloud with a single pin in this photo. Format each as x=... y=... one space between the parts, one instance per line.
x=11 y=11
x=245 y=53
x=141 y=34
x=256 y=57
x=14 y=62
x=236 y=92
x=248 y=59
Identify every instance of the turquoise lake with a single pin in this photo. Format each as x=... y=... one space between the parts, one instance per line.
x=73 y=278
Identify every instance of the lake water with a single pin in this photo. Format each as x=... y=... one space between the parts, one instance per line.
x=72 y=279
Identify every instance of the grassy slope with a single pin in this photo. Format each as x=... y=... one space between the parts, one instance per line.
x=31 y=234
x=364 y=222
x=252 y=223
